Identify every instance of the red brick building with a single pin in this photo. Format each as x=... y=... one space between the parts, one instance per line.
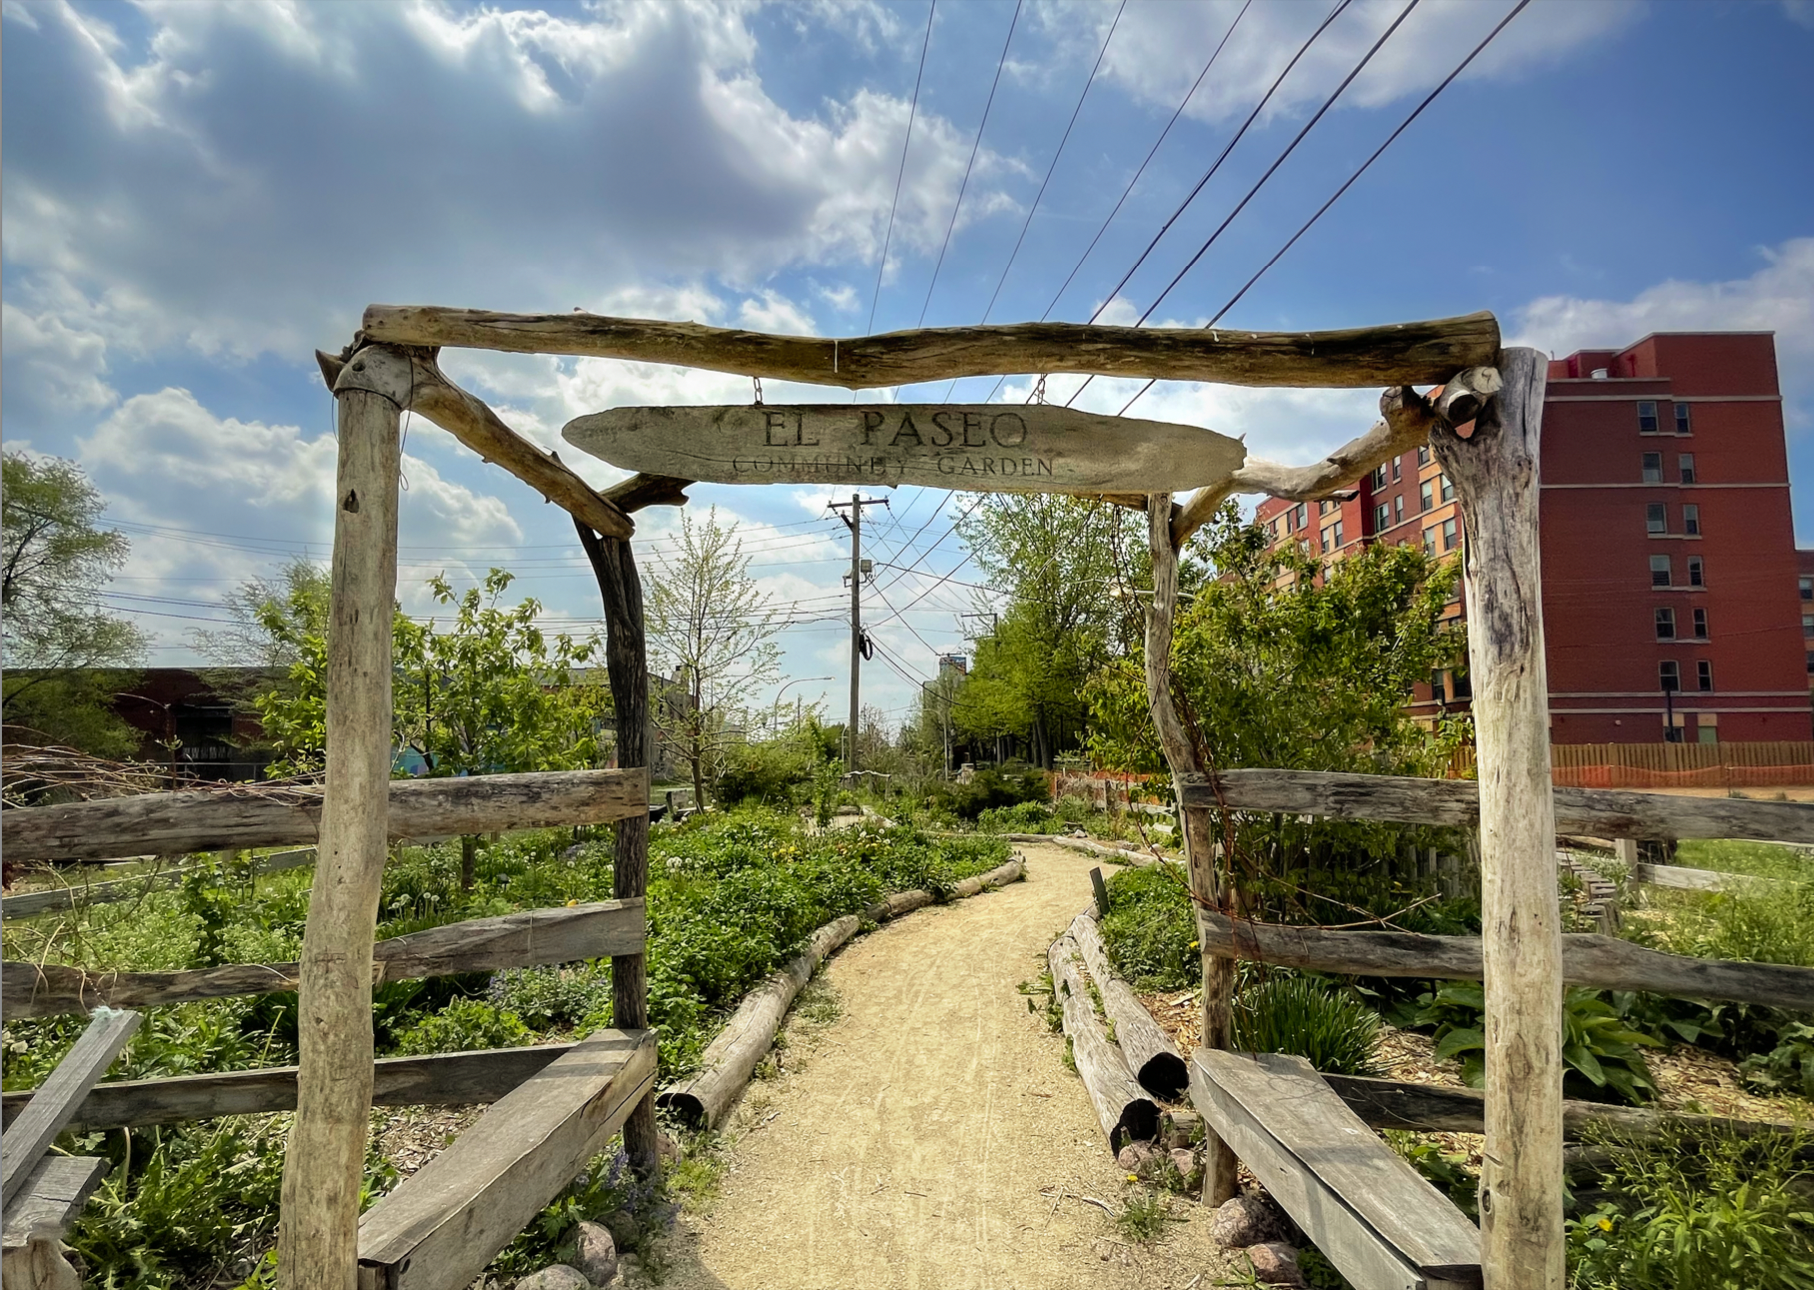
x=1670 y=574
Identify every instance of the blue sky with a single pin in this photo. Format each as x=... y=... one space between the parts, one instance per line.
x=197 y=196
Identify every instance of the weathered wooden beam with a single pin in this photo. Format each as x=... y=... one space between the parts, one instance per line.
x=1456 y=803
x=1152 y=1057
x=445 y=1079
x=325 y=1156
x=444 y=1223
x=1668 y=875
x=31 y=903
x=254 y=816
x=1368 y=1211
x=59 y=1096
x=1122 y=1107
x=638 y=491
x=1587 y=959
x=525 y=939
x=470 y=420
x=987 y=447
x=52 y=1197
x=1397 y=354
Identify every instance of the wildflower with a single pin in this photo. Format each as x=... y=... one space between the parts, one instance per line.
x=1133 y=1177
x=1606 y=1225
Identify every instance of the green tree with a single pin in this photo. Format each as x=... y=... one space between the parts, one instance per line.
x=65 y=655
x=712 y=627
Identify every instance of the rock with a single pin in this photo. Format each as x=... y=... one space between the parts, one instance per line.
x=1241 y=1222
x=625 y=1230
x=556 y=1276
x=666 y=1148
x=597 y=1254
x=1190 y=1169
x=1142 y=1159
x=629 y=1267
x=1275 y=1264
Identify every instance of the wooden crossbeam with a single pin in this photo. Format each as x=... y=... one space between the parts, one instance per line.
x=525 y=939
x=56 y=1101
x=251 y=816
x=1398 y=354
x=31 y=903
x=52 y=1196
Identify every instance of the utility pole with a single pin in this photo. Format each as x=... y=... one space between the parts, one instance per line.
x=854 y=522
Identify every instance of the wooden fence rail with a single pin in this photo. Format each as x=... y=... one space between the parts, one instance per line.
x=29 y=904
x=608 y=927
x=254 y=816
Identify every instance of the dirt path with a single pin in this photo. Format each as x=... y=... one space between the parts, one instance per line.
x=931 y=1136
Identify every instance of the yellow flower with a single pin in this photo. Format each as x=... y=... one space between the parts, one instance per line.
x=1606 y=1225
x=1133 y=1177
x=572 y=904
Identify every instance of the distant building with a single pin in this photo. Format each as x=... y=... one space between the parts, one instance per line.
x=198 y=721
x=1669 y=564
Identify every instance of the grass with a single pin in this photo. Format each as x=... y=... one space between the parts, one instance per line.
x=1759 y=859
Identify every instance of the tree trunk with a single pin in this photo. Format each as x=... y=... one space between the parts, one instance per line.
x=318 y=1235
x=1495 y=472
x=627 y=664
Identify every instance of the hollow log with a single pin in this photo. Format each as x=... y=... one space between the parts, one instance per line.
x=1151 y=1056
x=1588 y=959
x=1122 y=1107
x=1012 y=871
x=731 y=1058
x=255 y=816
x=536 y=936
x=1396 y=354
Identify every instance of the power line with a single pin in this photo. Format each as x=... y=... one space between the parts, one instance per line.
x=1349 y=182
x=912 y=111
x=974 y=149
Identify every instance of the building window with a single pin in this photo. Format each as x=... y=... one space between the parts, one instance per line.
x=1665 y=624
x=1807 y=588
x=1807 y=624
x=1335 y=531
x=1656 y=518
x=1379 y=477
x=1429 y=548
x=1811 y=662
x=1459 y=687
x=1426 y=494
x=1653 y=468
x=1647 y=418
x=1448 y=489
x=1659 y=571
x=1686 y=464
x=1691 y=520
x=1395 y=470
x=1302 y=512
x=1700 y=624
x=1382 y=518
x=1669 y=673
x=1423 y=454
x=1681 y=419
x=1696 y=572
x=1704 y=675
x=1398 y=512
x=1707 y=733
x=1448 y=535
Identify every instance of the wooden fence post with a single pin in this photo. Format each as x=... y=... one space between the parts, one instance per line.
x=1495 y=472
x=318 y=1236
x=627 y=664
x=1199 y=836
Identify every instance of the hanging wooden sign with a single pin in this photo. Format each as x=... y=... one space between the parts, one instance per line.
x=978 y=447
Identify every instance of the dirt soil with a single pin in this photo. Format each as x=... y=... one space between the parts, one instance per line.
x=931 y=1136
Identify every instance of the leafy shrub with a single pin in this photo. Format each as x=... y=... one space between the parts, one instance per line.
x=545 y=997
x=776 y=773
x=1604 y=1059
x=461 y=1026
x=1023 y=817
x=1305 y=1015
x=1150 y=931
x=1447 y=1171
x=1700 y=1213
x=1788 y=1068
x=990 y=788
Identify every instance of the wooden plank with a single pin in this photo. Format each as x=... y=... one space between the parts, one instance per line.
x=242 y=817
x=525 y=939
x=1413 y=353
x=30 y=903
x=1600 y=813
x=1155 y=1061
x=445 y=1079
x=53 y=1195
x=443 y=1224
x=1589 y=959
x=1332 y=1175
x=59 y=1096
x=1668 y=875
x=983 y=447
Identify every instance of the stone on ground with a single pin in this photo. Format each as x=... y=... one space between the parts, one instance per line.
x=556 y=1276
x=596 y=1256
x=1275 y=1264
x=1241 y=1222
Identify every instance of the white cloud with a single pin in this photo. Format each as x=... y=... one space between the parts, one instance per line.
x=772 y=312
x=52 y=368
x=1779 y=297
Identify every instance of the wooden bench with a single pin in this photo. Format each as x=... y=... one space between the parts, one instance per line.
x=1369 y=1212
x=443 y=1224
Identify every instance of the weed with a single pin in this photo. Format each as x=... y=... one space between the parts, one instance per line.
x=464 y=1025
x=1788 y=1068
x=1070 y=1058
x=1310 y=1017
x=1143 y=1217
x=818 y=1003
x=1447 y=1170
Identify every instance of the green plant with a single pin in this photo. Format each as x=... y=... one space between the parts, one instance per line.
x=1692 y=1212
x=464 y=1024
x=1310 y=1017
x=636 y=1210
x=1604 y=1057
x=1447 y=1171
x=1144 y=1215
x=544 y=997
x=1787 y=1068
x=1150 y=931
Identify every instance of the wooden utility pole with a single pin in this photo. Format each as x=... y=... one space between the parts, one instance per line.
x=854 y=521
x=318 y=1240
x=1495 y=472
x=627 y=665
x=1199 y=838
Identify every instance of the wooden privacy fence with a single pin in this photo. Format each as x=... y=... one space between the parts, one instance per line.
x=1785 y=764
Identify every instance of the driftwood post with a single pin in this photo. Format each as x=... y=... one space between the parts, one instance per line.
x=1495 y=472
x=318 y=1240
x=1187 y=768
x=627 y=663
